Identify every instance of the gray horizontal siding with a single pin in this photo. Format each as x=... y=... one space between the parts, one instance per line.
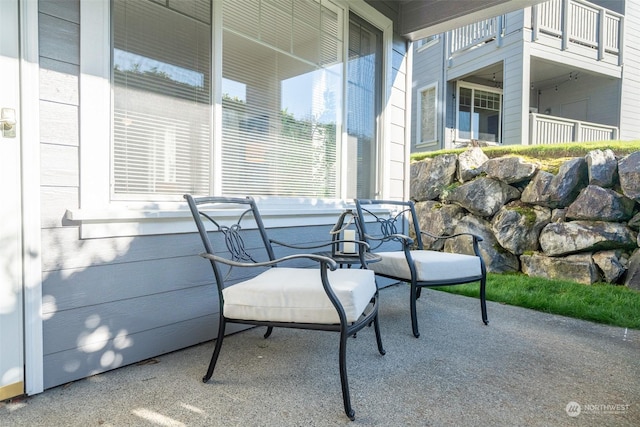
x=73 y=364
x=399 y=118
x=90 y=329
x=59 y=39
x=110 y=283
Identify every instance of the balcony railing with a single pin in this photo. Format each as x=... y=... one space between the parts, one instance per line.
x=545 y=129
x=476 y=34
x=579 y=23
x=573 y=22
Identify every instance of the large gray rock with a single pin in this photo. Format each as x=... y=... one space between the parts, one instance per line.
x=585 y=236
x=483 y=196
x=517 y=226
x=600 y=204
x=436 y=218
x=633 y=272
x=560 y=190
x=497 y=259
x=509 y=169
x=470 y=163
x=537 y=192
x=602 y=167
x=578 y=268
x=610 y=265
x=565 y=186
x=430 y=176
x=629 y=173
x=417 y=188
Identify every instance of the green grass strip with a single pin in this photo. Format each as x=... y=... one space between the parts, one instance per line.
x=600 y=302
x=542 y=152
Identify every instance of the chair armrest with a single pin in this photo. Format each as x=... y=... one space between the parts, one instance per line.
x=404 y=239
x=433 y=236
x=322 y=259
x=363 y=245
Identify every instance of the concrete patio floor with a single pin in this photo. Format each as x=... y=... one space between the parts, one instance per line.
x=525 y=368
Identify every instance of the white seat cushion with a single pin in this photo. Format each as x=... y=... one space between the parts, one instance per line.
x=296 y=295
x=430 y=265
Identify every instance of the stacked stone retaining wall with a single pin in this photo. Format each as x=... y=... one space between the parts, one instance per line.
x=580 y=224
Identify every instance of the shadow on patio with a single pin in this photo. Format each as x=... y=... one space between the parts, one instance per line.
x=525 y=368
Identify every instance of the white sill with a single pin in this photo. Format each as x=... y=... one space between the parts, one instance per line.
x=121 y=221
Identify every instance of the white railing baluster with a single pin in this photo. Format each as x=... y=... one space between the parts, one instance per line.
x=545 y=129
x=474 y=34
x=579 y=22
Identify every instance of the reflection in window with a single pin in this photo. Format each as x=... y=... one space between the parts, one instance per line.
x=280 y=138
x=130 y=63
x=161 y=74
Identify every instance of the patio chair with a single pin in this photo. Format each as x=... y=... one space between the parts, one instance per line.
x=404 y=258
x=321 y=298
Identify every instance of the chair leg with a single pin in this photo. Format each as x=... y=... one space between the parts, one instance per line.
x=412 y=304
x=216 y=351
x=376 y=325
x=343 y=377
x=483 y=300
x=268 y=333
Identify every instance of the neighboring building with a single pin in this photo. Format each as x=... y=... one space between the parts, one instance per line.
x=558 y=71
x=111 y=110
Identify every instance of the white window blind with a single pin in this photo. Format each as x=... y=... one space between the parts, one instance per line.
x=162 y=98
x=281 y=100
x=428 y=114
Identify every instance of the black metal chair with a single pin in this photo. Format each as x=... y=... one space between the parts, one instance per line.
x=322 y=298
x=404 y=258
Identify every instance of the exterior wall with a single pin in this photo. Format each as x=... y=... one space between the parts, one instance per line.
x=396 y=160
x=629 y=123
x=114 y=301
x=600 y=104
x=395 y=157
x=107 y=302
x=428 y=64
x=515 y=68
x=515 y=105
x=601 y=95
x=390 y=9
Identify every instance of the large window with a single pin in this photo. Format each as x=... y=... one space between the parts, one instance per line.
x=428 y=114
x=283 y=68
x=162 y=98
x=479 y=114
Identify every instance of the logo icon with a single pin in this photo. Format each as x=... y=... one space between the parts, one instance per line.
x=573 y=409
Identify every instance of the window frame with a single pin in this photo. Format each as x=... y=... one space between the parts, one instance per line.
x=420 y=142
x=427 y=42
x=462 y=84
x=99 y=216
